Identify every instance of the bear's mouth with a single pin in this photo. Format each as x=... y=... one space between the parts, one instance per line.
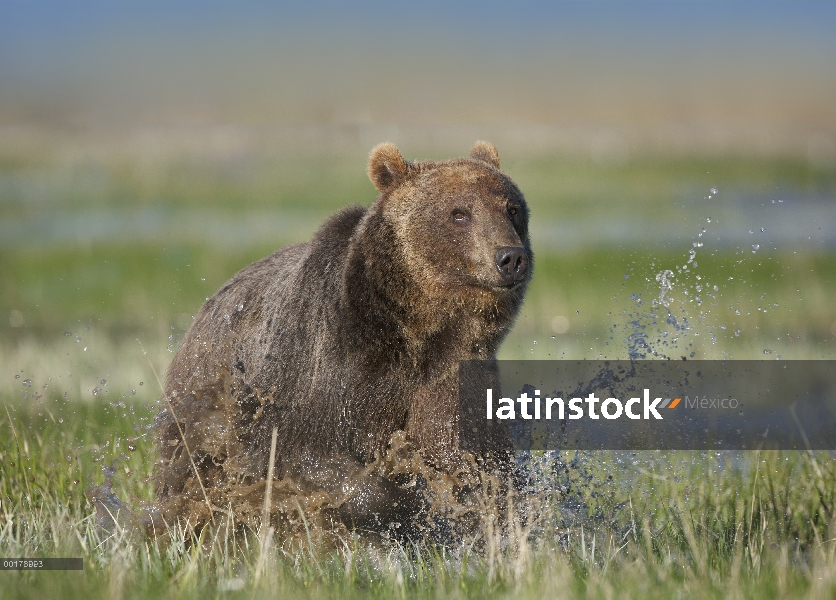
x=471 y=281
x=507 y=287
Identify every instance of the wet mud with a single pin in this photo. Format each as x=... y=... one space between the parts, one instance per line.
x=207 y=476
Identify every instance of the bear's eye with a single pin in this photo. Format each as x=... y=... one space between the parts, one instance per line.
x=460 y=216
x=512 y=210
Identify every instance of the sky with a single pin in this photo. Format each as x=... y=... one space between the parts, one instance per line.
x=116 y=64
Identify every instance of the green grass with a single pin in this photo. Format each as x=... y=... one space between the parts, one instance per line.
x=605 y=524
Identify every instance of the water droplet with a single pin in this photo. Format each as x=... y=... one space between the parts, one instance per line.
x=17 y=376
x=96 y=391
x=755 y=248
x=713 y=190
x=767 y=351
x=763 y=229
x=663 y=277
x=27 y=382
x=141 y=383
x=708 y=219
x=104 y=381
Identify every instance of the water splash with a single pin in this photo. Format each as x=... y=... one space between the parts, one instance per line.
x=665 y=329
x=664 y=278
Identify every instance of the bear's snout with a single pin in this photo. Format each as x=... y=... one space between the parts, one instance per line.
x=512 y=262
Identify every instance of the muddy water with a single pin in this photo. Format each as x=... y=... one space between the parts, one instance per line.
x=311 y=499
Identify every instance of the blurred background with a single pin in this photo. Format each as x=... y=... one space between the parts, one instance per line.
x=679 y=159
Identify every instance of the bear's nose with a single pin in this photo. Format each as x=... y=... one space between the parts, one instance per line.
x=512 y=262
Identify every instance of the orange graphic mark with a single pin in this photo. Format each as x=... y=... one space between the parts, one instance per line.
x=674 y=403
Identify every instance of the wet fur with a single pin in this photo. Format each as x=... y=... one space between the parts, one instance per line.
x=345 y=340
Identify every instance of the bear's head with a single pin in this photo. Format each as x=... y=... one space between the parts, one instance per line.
x=461 y=226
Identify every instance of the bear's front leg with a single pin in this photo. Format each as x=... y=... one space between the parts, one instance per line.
x=433 y=424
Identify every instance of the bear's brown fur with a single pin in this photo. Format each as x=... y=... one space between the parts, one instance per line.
x=344 y=341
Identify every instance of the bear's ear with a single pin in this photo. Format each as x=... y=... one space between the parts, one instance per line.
x=387 y=168
x=486 y=152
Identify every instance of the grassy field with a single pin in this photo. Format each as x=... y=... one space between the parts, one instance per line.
x=695 y=524
x=103 y=261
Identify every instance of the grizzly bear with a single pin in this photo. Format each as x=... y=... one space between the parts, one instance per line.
x=347 y=340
